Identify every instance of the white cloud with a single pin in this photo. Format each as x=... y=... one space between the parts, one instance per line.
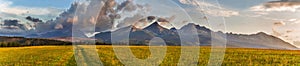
x=292 y=20
x=277 y=6
x=220 y=12
x=197 y=3
x=296 y=22
x=210 y=9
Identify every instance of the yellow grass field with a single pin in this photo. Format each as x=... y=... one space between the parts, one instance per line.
x=63 y=56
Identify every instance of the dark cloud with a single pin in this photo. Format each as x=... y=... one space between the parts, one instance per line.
x=11 y=22
x=11 y=27
x=280 y=23
x=162 y=20
x=289 y=31
x=151 y=18
x=44 y=27
x=29 y=18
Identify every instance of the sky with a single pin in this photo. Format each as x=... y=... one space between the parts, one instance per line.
x=41 y=8
x=43 y=3
x=275 y=17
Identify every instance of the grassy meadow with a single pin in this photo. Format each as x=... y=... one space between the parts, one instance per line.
x=63 y=56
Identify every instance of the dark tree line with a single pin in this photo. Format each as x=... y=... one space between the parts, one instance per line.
x=20 y=41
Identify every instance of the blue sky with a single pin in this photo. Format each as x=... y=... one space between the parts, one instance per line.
x=241 y=4
x=43 y=3
x=44 y=9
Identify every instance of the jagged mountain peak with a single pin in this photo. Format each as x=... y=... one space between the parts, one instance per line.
x=155 y=26
x=158 y=30
x=188 y=26
x=193 y=25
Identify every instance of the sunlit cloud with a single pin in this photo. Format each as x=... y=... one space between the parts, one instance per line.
x=291 y=6
x=210 y=9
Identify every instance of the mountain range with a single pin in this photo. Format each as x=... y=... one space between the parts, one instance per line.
x=171 y=36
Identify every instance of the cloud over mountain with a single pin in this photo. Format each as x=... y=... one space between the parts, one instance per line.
x=104 y=15
x=93 y=15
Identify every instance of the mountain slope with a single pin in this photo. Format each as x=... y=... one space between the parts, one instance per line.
x=171 y=37
x=259 y=40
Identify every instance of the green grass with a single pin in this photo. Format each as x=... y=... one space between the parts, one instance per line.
x=63 y=56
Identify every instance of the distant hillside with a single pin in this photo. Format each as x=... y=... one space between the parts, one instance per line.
x=21 y=41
